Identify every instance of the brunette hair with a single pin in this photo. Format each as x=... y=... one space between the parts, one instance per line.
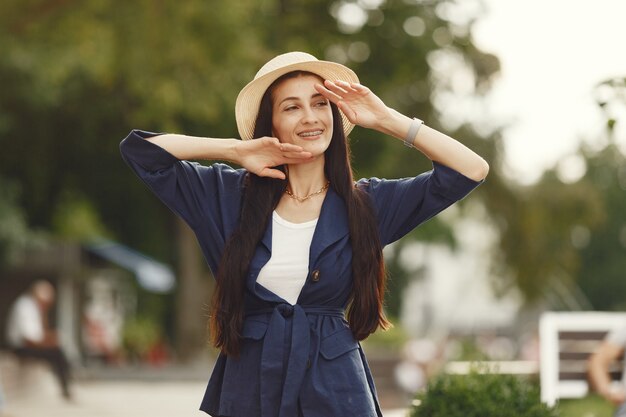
x=260 y=197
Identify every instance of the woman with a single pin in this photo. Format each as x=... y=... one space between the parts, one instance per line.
x=292 y=240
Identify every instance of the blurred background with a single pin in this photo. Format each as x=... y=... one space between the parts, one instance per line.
x=537 y=88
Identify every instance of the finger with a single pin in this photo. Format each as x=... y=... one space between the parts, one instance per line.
x=272 y=173
x=290 y=147
x=347 y=110
x=298 y=155
x=346 y=86
x=359 y=87
x=327 y=93
x=270 y=141
x=335 y=88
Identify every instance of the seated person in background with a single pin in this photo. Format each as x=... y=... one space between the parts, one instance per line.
x=611 y=349
x=29 y=335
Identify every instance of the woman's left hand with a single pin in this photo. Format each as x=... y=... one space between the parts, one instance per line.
x=356 y=101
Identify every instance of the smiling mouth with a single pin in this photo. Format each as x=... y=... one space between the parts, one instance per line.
x=310 y=133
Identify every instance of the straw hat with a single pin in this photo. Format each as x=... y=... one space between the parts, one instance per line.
x=249 y=98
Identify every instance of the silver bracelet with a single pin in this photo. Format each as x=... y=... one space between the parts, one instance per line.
x=415 y=127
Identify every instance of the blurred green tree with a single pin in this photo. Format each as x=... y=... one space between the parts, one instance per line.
x=15 y=233
x=537 y=254
x=603 y=248
x=76 y=76
x=564 y=239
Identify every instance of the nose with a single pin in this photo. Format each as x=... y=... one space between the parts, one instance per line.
x=309 y=116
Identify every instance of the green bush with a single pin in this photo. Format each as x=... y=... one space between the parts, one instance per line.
x=481 y=395
x=139 y=335
x=386 y=340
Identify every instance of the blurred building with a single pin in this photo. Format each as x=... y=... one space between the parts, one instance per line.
x=95 y=290
x=453 y=292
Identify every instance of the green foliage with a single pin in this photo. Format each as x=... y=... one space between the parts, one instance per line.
x=590 y=406
x=603 y=263
x=556 y=235
x=470 y=351
x=481 y=395
x=77 y=77
x=14 y=231
x=139 y=335
x=536 y=225
x=76 y=218
x=611 y=99
x=392 y=339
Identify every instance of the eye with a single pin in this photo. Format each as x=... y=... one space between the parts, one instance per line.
x=289 y=108
x=322 y=103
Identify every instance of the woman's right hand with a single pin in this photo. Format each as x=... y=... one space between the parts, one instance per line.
x=261 y=155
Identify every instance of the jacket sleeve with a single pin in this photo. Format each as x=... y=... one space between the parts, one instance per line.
x=403 y=204
x=199 y=194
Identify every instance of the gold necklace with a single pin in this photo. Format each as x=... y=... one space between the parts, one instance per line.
x=301 y=199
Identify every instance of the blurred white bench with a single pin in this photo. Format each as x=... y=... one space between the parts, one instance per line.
x=492 y=367
x=567 y=340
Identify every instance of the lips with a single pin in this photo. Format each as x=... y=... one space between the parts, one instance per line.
x=310 y=133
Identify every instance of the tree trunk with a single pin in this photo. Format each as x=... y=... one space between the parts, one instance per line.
x=192 y=296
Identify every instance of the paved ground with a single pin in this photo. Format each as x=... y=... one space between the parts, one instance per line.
x=107 y=398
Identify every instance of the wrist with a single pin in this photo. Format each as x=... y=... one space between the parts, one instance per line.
x=385 y=122
x=395 y=124
x=411 y=135
x=233 y=150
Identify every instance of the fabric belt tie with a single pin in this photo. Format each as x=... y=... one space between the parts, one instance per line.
x=278 y=398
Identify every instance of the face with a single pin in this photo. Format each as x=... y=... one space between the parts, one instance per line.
x=45 y=300
x=301 y=115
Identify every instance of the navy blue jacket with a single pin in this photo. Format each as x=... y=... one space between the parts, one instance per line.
x=302 y=358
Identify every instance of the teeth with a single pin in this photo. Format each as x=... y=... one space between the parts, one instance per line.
x=315 y=133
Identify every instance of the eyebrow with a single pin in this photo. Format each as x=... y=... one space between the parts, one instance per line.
x=298 y=98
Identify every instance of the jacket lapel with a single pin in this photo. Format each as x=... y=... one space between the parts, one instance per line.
x=260 y=258
x=331 y=226
x=267 y=236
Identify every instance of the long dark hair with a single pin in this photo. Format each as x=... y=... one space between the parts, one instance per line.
x=260 y=197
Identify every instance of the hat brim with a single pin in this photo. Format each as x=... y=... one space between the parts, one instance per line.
x=249 y=98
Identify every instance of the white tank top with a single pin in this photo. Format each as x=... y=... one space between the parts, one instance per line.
x=286 y=271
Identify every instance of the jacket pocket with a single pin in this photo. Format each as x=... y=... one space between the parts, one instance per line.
x=254 y=329
x=339 y=378
x=338 y=343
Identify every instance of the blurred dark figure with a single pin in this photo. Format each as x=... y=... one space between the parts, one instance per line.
x=611 y=350
x=29 y=334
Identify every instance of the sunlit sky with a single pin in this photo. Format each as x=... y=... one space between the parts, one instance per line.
x=552 y=53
